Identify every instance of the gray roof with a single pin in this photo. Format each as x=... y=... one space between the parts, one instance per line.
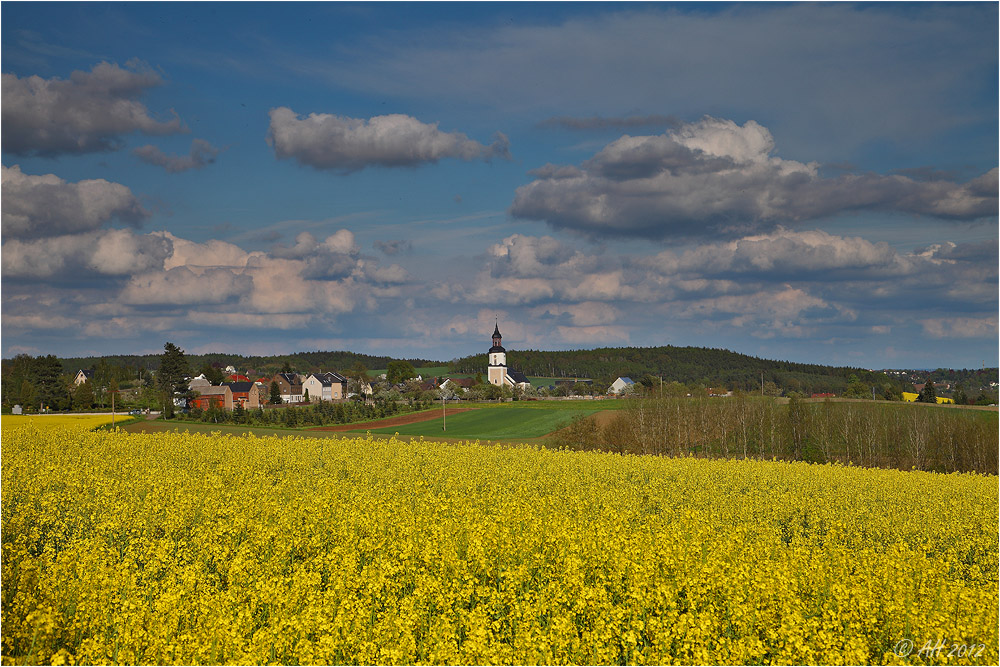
x=517 y=376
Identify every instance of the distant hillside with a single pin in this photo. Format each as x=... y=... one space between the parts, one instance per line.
x=707 y=366
x=302 y=362
x=710 y=367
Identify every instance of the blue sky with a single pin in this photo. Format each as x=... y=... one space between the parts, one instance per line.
x=807 y=182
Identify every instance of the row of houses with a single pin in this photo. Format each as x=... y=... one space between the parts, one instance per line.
x=294 y=388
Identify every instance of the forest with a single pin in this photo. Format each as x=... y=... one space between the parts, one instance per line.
x=47 y=379
x=708 y=367
x=299 y=362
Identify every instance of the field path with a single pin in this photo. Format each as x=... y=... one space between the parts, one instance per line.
x=411 y=418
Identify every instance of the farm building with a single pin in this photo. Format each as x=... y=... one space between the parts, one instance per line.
x=212 y=397
x=246 y=394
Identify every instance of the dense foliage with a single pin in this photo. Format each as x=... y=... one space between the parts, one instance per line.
x=855 y=433
x=317 y=414
x=188 y=549
x=302 y=362
x=708 y=367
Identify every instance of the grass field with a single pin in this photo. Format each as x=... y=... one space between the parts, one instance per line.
x=502 y=423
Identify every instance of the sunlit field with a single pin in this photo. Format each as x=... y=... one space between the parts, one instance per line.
x=190 y=548
x=48 y=421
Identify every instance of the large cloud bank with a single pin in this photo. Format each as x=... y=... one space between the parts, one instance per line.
x=46 y=205
x=783 y=284
x=716 y=177
x=66 y=259
x=89 y=112
x=326 y=141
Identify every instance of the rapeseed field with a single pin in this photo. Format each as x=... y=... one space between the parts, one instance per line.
x=48 y=421
x=193 y=549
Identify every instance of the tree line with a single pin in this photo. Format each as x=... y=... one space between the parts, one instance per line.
x=709 y=367
x=317 y=414
x=885 y=435
x=302 y=362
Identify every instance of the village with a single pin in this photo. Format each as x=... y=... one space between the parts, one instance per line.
x=231 y=389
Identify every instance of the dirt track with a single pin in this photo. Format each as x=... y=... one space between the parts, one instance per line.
x=411 y=418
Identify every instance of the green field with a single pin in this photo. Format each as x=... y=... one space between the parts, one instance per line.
x=504 y=423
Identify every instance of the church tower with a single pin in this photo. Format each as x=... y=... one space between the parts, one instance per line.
x=498 y=359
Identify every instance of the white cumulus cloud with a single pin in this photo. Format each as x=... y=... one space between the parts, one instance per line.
x=46 y=205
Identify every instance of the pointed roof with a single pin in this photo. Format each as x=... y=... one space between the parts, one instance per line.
x=496 y=330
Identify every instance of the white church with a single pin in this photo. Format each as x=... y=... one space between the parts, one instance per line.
x=499 y=374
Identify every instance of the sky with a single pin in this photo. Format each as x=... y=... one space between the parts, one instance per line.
x=806 y=182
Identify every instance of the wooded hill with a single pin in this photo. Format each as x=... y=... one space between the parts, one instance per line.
x=301 y=362
x=706 y=366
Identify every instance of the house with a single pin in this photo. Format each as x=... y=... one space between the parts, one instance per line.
x=366 y=389
x=196 y=384
x=212 y=397
x=622 y=385
x=327 y=386
x=236 y=377
x=290 y=387
x=457 y=385
x=83 y=375
x=245 y=393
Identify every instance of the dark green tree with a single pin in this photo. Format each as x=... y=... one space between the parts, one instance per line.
x=275 y=397
x=928 y=394
x=399 y=371
x=212 y=374
x=856 y=388
x=27 y=395
x=83 y=397
x=51 y=389
x=173 y=371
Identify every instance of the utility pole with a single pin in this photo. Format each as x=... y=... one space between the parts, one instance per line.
x=444 y=416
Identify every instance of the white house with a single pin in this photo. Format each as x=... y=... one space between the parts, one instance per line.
x=327 y=386
x=83 y=376
x=622 y=385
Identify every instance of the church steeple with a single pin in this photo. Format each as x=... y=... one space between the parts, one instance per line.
x=498 y=358
x=496 y=335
